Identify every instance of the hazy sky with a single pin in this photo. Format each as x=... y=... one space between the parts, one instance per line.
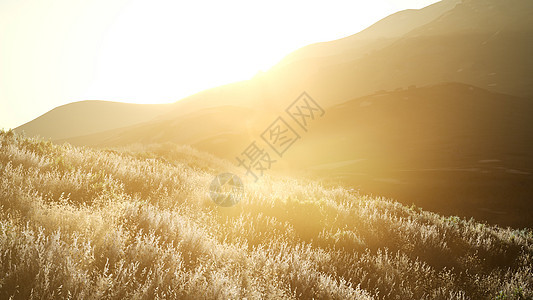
x=53 y=52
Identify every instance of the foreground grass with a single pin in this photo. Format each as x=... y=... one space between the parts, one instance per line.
x=138 y=224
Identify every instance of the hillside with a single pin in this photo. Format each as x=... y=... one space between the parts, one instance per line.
x=87 y=117
x=138 y=223
x=463 y=147
x=190 y=129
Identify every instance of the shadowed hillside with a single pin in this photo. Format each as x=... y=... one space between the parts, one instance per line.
x=138 y=223
x=451 y=148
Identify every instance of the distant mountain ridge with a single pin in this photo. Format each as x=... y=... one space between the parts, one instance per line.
x=90 y=116
x=466 y=42
x=376 y=36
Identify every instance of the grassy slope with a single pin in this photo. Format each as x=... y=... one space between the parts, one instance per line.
x=138 y=223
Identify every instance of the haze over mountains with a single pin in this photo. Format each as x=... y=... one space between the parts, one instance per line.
x=87 y=117
x=456 y=141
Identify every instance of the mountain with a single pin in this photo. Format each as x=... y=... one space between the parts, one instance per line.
x=375 y=37
x=467 y=42
x=481 y=43
x=86 y=117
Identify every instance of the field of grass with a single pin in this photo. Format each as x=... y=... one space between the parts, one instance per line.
x=138 y=223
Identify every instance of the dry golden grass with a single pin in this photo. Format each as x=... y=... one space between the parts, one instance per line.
x=138 y=223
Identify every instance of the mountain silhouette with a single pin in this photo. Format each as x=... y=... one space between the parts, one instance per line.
x=86 y=117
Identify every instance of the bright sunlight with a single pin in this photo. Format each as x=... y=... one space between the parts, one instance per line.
x=156 y=51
